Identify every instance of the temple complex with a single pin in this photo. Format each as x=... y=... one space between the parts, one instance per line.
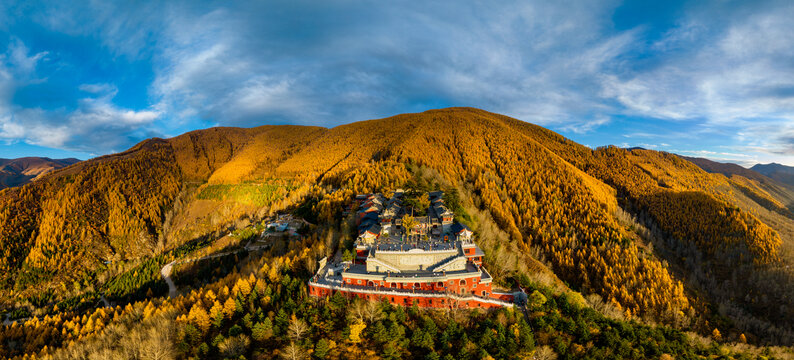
x=429 y=260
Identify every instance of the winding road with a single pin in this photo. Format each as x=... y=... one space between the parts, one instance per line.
x=7 y=321
x=104 y=300
x=165 y=272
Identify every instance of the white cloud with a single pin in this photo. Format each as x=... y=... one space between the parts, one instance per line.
x=227 y=66
x=735 y=72
x=10 y=130
x=138 y=117
x=98 y=88
x=586 y=127
x=96 y=125
x=19 y=59
x=17 y=67
x=562 y=65
x=101 y=111
x=262 y=95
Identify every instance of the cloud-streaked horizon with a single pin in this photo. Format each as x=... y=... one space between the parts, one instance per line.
x=712 y=78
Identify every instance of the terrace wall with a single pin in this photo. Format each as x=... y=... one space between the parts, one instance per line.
x=396 y=297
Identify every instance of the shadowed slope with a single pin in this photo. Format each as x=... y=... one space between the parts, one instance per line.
x=782 y=173
x=781 y=194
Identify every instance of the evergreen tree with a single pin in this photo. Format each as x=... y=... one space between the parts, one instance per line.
x=389 y=352
x=262 y=330
x=321 y=349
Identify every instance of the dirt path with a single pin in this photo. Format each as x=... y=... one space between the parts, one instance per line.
x=165 y=272
x=104 y=300
x=7 y=321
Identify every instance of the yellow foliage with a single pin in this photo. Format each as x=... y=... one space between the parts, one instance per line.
x=210 y=296
x=149 y=310
x=242 y=287
x=216 y=312
x=355 y=332
x=716 y=335
x=229 y=307
x=198 y=317
x=548 y=193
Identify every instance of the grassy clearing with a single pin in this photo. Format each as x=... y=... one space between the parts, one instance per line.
x=258 y=194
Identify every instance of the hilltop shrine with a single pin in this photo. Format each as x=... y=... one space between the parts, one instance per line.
x=429 y=260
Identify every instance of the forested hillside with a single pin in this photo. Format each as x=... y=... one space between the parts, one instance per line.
x=64 y=228
x=649 y=234
x=764 y=187
x=560 y=199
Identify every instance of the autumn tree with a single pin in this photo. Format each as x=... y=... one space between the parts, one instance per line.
x=199 y=317
x=293 y=352
x=297 y=328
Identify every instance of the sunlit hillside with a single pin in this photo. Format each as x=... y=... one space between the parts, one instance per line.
x=645 y=236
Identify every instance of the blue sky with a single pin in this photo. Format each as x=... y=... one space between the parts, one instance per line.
x=712 y=79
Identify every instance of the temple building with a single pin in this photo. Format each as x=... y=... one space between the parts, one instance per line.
x=434 y=264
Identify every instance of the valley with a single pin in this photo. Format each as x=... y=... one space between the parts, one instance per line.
x=16 y=172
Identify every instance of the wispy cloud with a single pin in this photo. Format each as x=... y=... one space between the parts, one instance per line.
x=95 y=126
x=585 y=127
x=734 y=70
x=98 y=88
x=718 y=71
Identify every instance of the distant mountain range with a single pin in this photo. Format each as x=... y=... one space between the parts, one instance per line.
x=20 y=171
x=777 y=173
x=776 y=179
x=729 y=169
x=781 y=173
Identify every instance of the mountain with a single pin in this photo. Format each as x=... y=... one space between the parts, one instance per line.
x=16 y=172
x=782 y=173
x=748 y=179
x=645 y=235
x=728 y=169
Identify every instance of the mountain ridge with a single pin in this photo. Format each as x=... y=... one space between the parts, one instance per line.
x=607 y=221
x=20 y=171
x=751 y=178
x=779 y=172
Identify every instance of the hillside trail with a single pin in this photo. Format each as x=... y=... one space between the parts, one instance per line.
x=8 y=322
x=104 y=300
x=165 y=272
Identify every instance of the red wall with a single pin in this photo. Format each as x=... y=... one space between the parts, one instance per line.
x=503 y=297
x=404 y=300
x=454 y=286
